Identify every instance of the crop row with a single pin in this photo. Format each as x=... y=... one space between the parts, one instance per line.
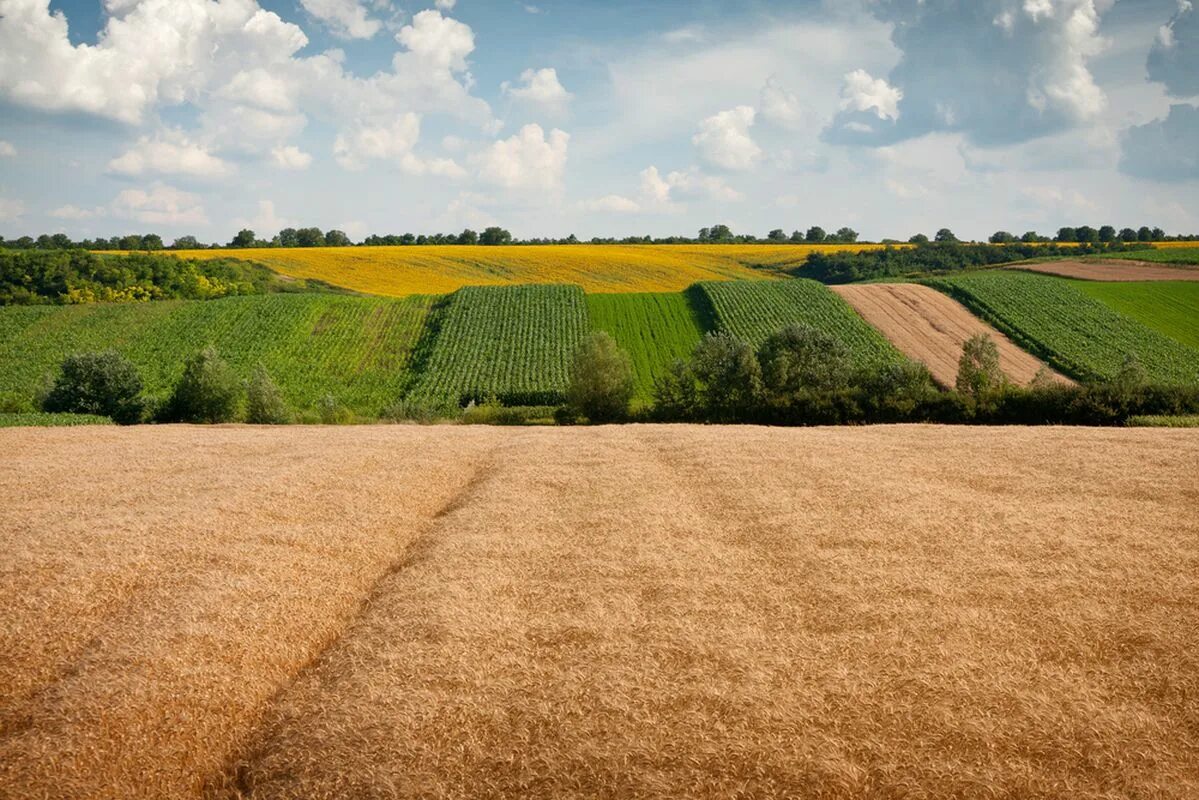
x=1074 y=332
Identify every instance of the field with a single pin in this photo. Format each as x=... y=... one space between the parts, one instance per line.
x=514 y=342
x=906 y=611
x=1126 y=271
x=654 y=329
x=1165 y=253
x=1077 y=334
x=754 y=311
x=1169 y=308
x=44 y=420
x=354 y=348
x=400 y=271
x=931 y=327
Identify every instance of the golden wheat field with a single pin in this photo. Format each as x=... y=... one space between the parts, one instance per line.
x=621 y=612
x=439 y=269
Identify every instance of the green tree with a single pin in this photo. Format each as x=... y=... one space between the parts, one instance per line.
x=105 y=383
x=185 y=243
x=310 y=237
x=289 y=237
x=727 y=375
x=1107 y=234
x=1030 y=237
x=208 y=391
x=802 y=360
x=846 y=235
x=1128 y=235
x=130 y=242
x=495 y=236
x=721 y=233
x=468 y=237
x=945 y=236
x=777 y=235
x=979 y=375
x=815 y=235
x=601 y=379
x=336 y=238
x=1144 y=234
x=264 y=401
x=796 y=237
x=1002 y=237
x=919 y=238
x=244 y=238
x=1086 y=234
x=152 y=241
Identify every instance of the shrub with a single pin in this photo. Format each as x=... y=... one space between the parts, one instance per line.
x=13 y=403
x=209 y=391
x=421 y=411
x=800 y=360
x=601 y=379
x=727 y=375
x=105 y=384
x=332 y=412
x=264 y=401
x=979 y=375
x=676 y=395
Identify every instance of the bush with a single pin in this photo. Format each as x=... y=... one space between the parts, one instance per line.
x=264 y=401
x=601 y=379
x=424 y=412
x=104 y=384
x=728 y=378
x=800 y=360
x=209 y=391
x=979 y=375
x=332 y=412
x=13 y=403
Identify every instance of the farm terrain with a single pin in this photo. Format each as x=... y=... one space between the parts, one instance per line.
x=449 y=611
x=1113 y=270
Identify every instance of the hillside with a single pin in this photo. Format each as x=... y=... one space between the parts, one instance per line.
x=639 y=611
x=400 y=271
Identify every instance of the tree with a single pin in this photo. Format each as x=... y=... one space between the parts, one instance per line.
x=310 y=237
x=60 y=241
x=495 y=236
x=919 y=238
x=468 y=237
x=727 y=375
x=131 y=242
x=264 y=401
x=815 y=235
x=846 y=235
x=721 y=233
x=1157 y=235
x=979 y=375
x=1030 y=237
x=802 y=360
x=1144 y=234
x=1086 y=234
x=152 y=241
x=336 y=238
x=185 y=243
x=1066 y=235
x=796 y=237
x=98 y=383
x=1107 y=234
x=601 y=379
x=705 y=234
x=288 y=237
x=1128 y=235
x=1002 y=237
x=777 y=235
x=244 y=238
x=945 y=236
x=208 y=391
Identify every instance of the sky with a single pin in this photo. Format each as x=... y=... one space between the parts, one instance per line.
x=598 y=118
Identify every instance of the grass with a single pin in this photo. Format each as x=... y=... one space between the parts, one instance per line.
x=1076 y=333
x=754 y=311
x=440 y=269
x=654 y=329
x=354 y=348
x=1179 y=253
x=512 y=342
x=1169 y=307
x=649 y=611
x=46 y=420
x=1164 y=422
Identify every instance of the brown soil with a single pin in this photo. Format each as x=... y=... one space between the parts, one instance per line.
x=931 y=327
x=634 y=611
x=1112 y=270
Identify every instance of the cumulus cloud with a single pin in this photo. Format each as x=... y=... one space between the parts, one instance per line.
x=1165 y=149
x=290 y=157
x=1000 y=71
x=75 y=213
x=7 y=150
x=446 y=5
x=159 y=205
x=171 y=152
x=266 y=222
x=779 y=106
x=347 y=19
x=1174 y=59
x=723 y=139
x=527 y=160
x=540 y=88
x=393 y=143
x=612 y=204
x=662 y=194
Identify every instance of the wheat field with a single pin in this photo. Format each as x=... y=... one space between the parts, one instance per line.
x=439 y=269
x=634 y=611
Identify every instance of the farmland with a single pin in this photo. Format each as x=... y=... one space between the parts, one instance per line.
x=753 y=311
x=1164 y=253
x=408 y=611
x=354 y=348
x=514 y=342
x=1166 y=307
x=1055 y=319
x=654 y=329
x=401 y=271
x=1118 y=271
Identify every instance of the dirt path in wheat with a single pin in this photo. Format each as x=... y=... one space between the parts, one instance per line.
x=931 y=327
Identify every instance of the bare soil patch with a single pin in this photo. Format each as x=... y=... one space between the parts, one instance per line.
x=638 y=611
x=1112 y=270
x=931 y=327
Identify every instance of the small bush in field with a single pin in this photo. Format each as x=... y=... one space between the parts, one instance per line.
x=979 y=375
x=209 y=391
x=601 y=379
x=264 y=401
x=332 y=412
x=105 y=384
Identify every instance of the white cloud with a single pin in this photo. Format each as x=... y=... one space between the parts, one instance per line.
x=465 y=211
x=11 y=209
x=266 y=223
x=7 y=150
x=540 y=88
x=446 y=5
x=290 y=157
x=660 y=194
x=693 y=183
x=160 y=205
x=346 y=19
x=527 y=160
x=171 y=152
x=779 y=106
x=612 y=204
x=724 y=141
x=392 y=143
x=438 y=42
x=71 y=212
x=863 y=92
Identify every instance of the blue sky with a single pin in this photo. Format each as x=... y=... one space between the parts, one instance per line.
x=596 y=118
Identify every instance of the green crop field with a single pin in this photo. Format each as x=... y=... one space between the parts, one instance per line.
x=753 y=311
x=1080 y=335
x=1169 y=307
x=653 y=328
x=1164 y=255
x=513 y=342
x=42 y=420
x=355 y=348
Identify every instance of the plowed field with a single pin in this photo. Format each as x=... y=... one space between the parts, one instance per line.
x=1113 y=270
